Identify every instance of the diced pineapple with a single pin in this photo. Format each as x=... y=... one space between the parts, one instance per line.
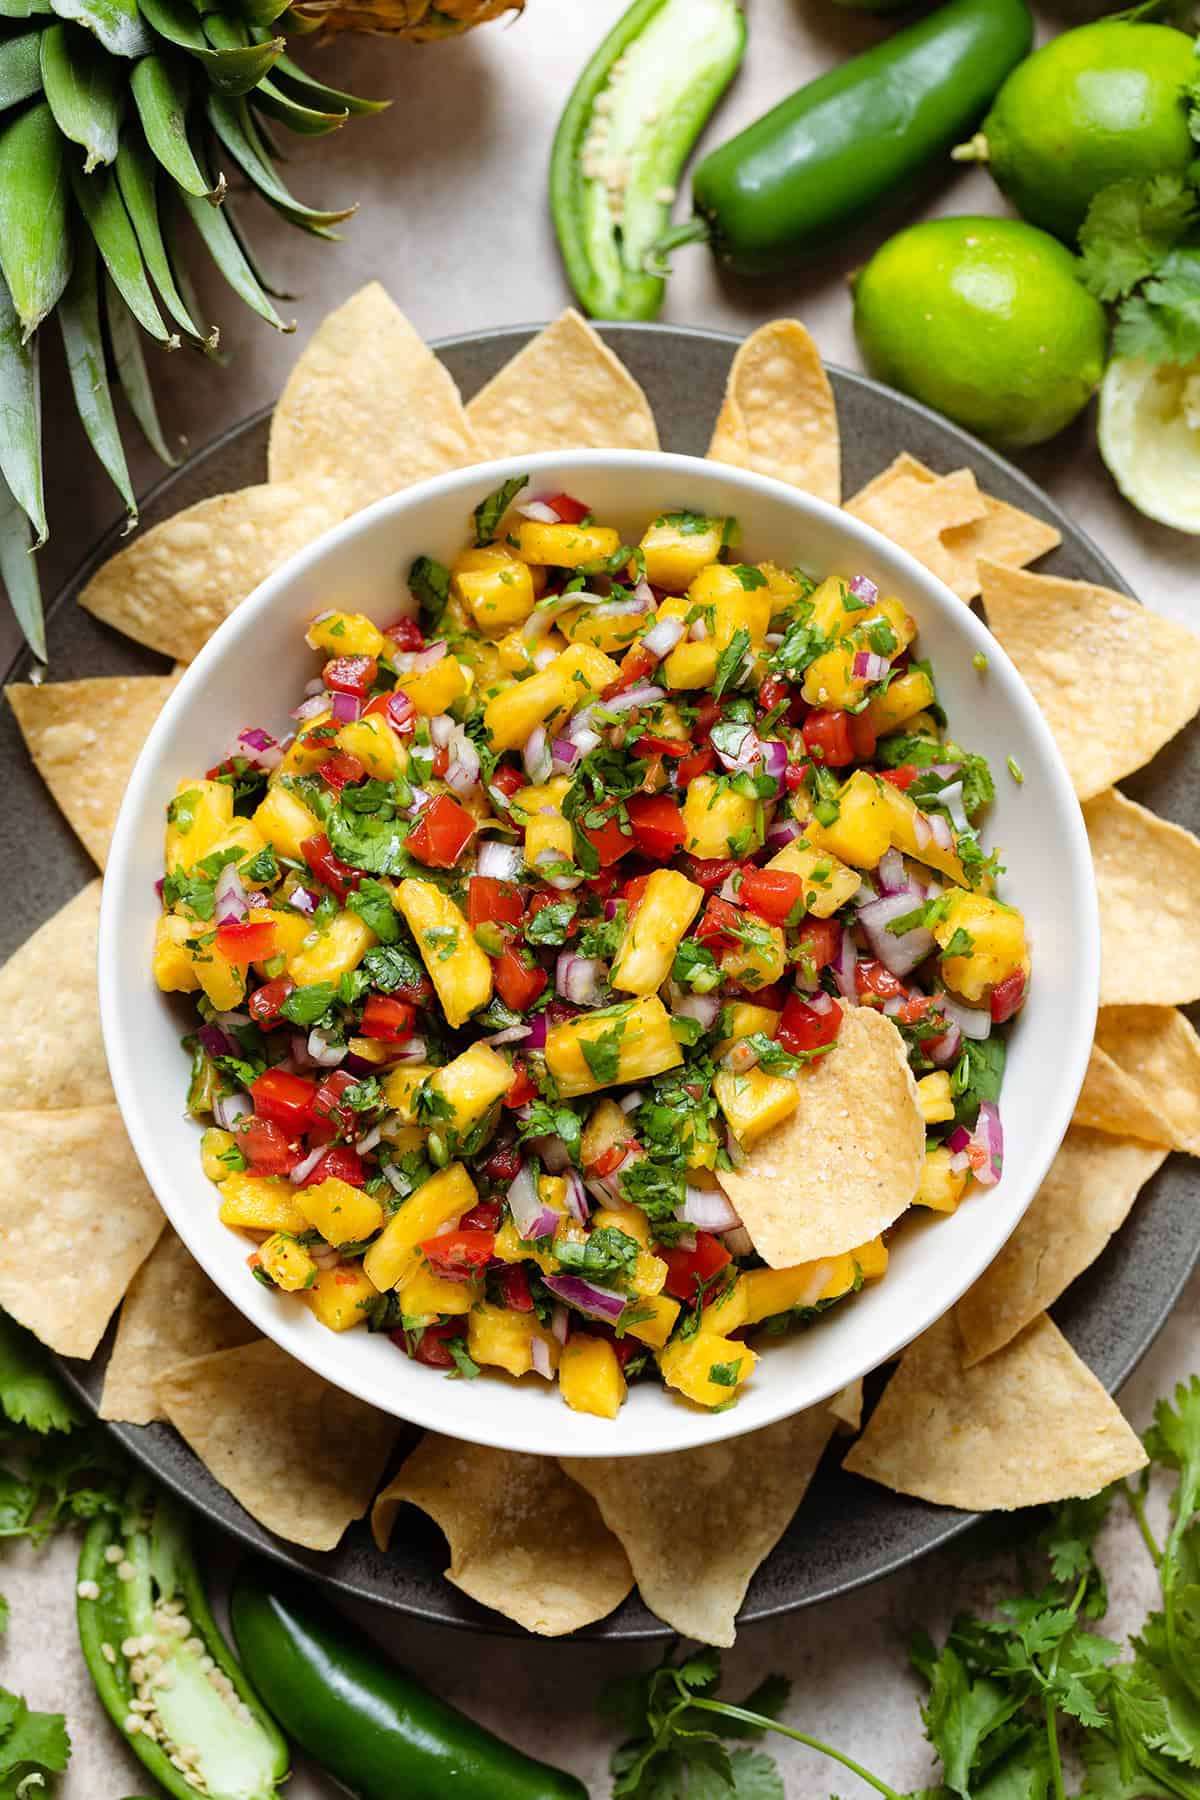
x=759 y=959
x=611 y=632
x=707 y=1368
x=933 y=1094
x=745 y=1019
x=372 y=1050
x=224 y=982
x=471 y=1085
x=512 y=715
x=511 y=1247
x=460 y=971
x=260 y=1203
x=376 y=746
x=692 y=664
x=216 y=1144
x=433 y=691
x=629 y=1219
x=446 y=1195
x=342 y=1214
x=590 y=1377
x=828 y=883
x=606 y=1127
x=872 y=1259
x=528 y=801
x=783 y=586
x=401 y=1087
x=197 y=816
x=285 y=821
x=424 y=1294
x=940 y=1187
x=243 y=836
x=495 y=586
x=341 y=1298
x=754 y=1101
x=674 y=556
x=831 y=614
x=583 y=670
x=291 y=929
x=311 y=745
x=504 y=1340
x=735 y=607
x=340 y=947
x=174 y=970
x=830 y=681
x=345 y=634
x=719 y=821
x=565 y=546
x=549 y=840
x=644 y=956
x=652 y=1320
x=908 y=829
x=862 y=830
x=514 y=654
x=996 y=946
x=763 y=1293
x=622 y=1043
x=649 y=1274
x=287 y=1263
x=910 y=693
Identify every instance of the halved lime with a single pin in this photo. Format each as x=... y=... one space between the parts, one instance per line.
x=1150 y=437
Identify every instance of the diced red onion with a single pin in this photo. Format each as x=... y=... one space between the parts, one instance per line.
x=729 y=889
x=844 y=966
x=229 y=896
x=939 y=829
x=345 y=707
x=734 y=1151
x=821 y=1002
x=662 y=637
x=958 y=1139
x=215 y=1042
x=499 y=862
x=775 y=758
x=566 y=754
x=560 y=1323
x=943 y=1050
x=323 y=1053
x=585 y=739
x=412 y=1050
x=631 y=606
x=259 y=748
x=531 y=1218
x=537 y=1032
x=230 y=1021
x=538 y=511
x=551 y=1152
x=973 y=1021
x=357 y=1065
x=945 y=771
x=891 y=872
x=577 y=1201
x=989 y=1135
x=870 y=667
x=428 y=658
x=894 y=1005
x=746 y=753
x=546 y=859
x=702 y=1007
x=902 y=953
x=646 y=694
x=951 y=797
x=644 y=591
x=229 y=1108
x=631 y=1101
x=740 y=1057
x=512 y=1034
x=536 y=755
x=577 y=978
x=298 y=1041
x=708 y=1210
x=441 y=728
x=539 y=1349
x=303 y=900
x=303 y=1169
x=959 y=1163
x=315 y=686
x=738 y=1242
x=782 y=831
x=462 y=773
x=587 y=1297
x=922 y=830
x=368 y=1140
x=863 y=588
x=310 y=709
x=698 y=630
x=399 y=1180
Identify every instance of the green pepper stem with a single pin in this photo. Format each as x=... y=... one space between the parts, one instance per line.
x=691 y=231
x=975 y=149
x=800 y=1737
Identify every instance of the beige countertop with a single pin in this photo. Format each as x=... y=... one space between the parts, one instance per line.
x=453 y=221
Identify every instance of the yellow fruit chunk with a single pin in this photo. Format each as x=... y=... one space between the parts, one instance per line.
x=994 y=943
x=606 y=1127
x=611 y=632
x=745 y=1020
x=495 y=586
x=759 y=959
x=512 y=715
x=287 y=1263
x=754 y=1101
x=340 y=947
x=345 y=634
x=174 y=970
x=565 y=546
x=243 y=836
x=933 y=1093
x=341 y=1213
x=644 y=956
x=446 y=1195
x=590 y=1377
x=940 y=1188
x=863 y=829
x=402 y=1086
x=224 y=982
x=196 y=817
x=629 y=1219
x=910 y=693
x=828 y=883
x=458 y=968
x=291 y=930
x=652 y=1319
x=504 y=1340
x=435 y=690
x=689 y=1365
x=285 y=821
x=424 y=1294
x=692 y=664
x=372 y=1050
x=719 y=821
x=872 y=1259
x=674 y=556
x=471 y=1085
x=312 y=744
x=629 y=1042
x=260 y=1203
x=340 y=1298
x=376 y=746
x=214 y=1145
x=911 y=833
x=649 y=1274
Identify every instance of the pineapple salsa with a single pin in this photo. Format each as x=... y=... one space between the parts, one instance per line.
x=532 y=929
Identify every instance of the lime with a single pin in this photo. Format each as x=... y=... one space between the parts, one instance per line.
x=1096 y=105
x=984 y=320
x=1150 y=437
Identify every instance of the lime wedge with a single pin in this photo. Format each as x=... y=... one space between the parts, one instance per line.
x=1150 y=437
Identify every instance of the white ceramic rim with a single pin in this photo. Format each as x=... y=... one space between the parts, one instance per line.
x=319 y=1347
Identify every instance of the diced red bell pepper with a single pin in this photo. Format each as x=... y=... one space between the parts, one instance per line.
x=523 y=1089
x=329 y=869
x=246 y=941
x=872 y=977
x=794 y=775
x=658 y=828
x=827 y=738
x=441 y=834
x=649 y=745
x=708 y=711
x=610 y=841
x=569 y=510
x=265 y=1147
x=820 y=941
x=343 y=1163
x=637 y=665
x=388 y=1019
x=609 y=1160
x=266 y=1001
x=327 y=1103
x=633 y=892
x=903 y=777
x=1008 y=997
x=517 y=983
x=720 y=924
x=687 y=1269
x=771 y=690
x=441 y=761
x=350 y=675
x=342 y=770
x=406 y=634
x=802 y=1027
x=711 y=873
x=456 y=1255
x=914 y=1008
x=774 y=894
x=431 y=1350
x=696 y=763
x=514 y=1288
x=483 y=1216
x=604 y=885
x=285 y=1098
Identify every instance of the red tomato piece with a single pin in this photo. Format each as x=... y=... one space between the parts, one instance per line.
x=266 y=1001
x=503 y=1163
x=396 y=708
x=708 y=711
x=508 y=779
x=720 y=924
x=523 y=1088
x=246 y=941
x=342 y=770
x=517 y=983
x=329 y=869
x=387 y=1019
x=863 y=736
x=514 y=1288
x=541 y=901
x=603 y=885
x=771 y=690
x=285 y=1098
x=431 y=1349
x=633 y=893
x=441 y=834
x=903 y=777
x=698 y=762
x=793 y=776
x=265 y=1147
x=774 y=894
x=341 y=1162
x=648 y=745
x=456 y=1255
x=803 y=1028
x=327 y=1103
x=827 y=738
x=872 y=978
x=1008 y=996
x=441 y=761
x=636 y=665
x=820 y=940
x=350 y=675
x=569 y=510
x=658 y=827
x=609 y=1161
x=483 y=1216
x=687 y=1269
x=610 y=841
x=406 y=634
x=711 y=872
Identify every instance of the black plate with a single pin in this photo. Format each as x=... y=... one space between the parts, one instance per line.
x=848 y=1531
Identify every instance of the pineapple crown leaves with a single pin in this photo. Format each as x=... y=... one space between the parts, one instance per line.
x=114 y=118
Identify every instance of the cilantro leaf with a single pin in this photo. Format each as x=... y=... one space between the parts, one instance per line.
x=305 y=1005
x=34 y=1745
x=1162 y=323
x=491 y=510
x=29 y=1393
x=372 y=901
x=562 y=1122
x=730 y=661
x=429 y=582
x=605 y=1252
x=1129 y=230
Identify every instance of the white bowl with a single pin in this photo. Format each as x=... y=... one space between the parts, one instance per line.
x=251 y=672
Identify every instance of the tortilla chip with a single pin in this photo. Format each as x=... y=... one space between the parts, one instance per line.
x=779 y=416
x=846 y=1163
x=846 y=1407
x=76 y=1222
x=171 y=1312
x=84 y=738
x=1088 y=1194
x=696 y=1524
x=1004 y=534
x=564 y=391
x=301 y=1456
x=51 y=1050
x=1030 y=1426
x=173 y=585
x=931 y=520
x=1115 y=681
x=1147 y=877
x=368 y=406
x=1112 y=1101
x=523 y=1539
x=1157 y=1047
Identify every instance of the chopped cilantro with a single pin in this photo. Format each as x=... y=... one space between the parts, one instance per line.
x=372 y=901
x=464 y=1363
x=979 y=661
x=605 y=1254
x=730 y=661
x=554 y=1121
x=393 y=966
x=491 y=510
x=551 y=924
x=961 y=944
x=602 y=1053
x=306 y=1005
x=749 y=576
x=696 y=967
x=429 y=581
x=726 y=1374
x=1015 y=770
